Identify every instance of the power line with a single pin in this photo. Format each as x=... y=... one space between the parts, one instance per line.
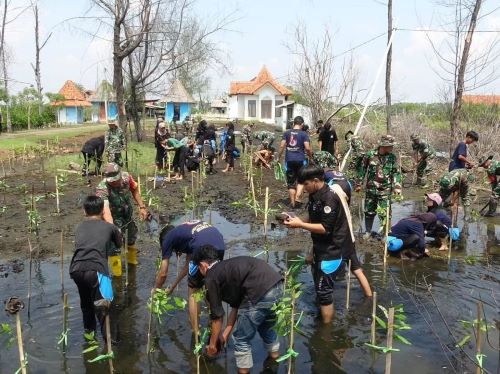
x=441 y=30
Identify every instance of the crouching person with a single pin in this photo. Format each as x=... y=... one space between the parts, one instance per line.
x=251 y=287
x=95 y=240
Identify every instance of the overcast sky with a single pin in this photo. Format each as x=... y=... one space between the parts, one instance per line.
x=258 y=37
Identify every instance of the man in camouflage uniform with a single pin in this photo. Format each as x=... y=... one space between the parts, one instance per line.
x=246 y=137
x=114 y=143
x=423 y=153
x=324 y=160
x=383 y=180
x=454 y=183
x=266 y=138
x=118 y=189
x=493 y=171
x=357 y=154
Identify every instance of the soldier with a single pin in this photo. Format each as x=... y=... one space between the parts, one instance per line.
x=381 y=169
x=493 y=171
x=114 y=143
x=357 y=154
x=423 y=152
x=324 y=160
x=117 y=189
x=266 y=138
x=246 y=137
x=454 y=183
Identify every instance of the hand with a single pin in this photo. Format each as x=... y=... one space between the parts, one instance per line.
x=397 y=191
x=293 y=222
x=169 y=290
x=309 y=259
x=358 y=188
x=212 y=350
x=144 y=213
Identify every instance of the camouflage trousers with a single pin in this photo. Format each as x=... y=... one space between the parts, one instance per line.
x=495 y=192
x=464 y=191
x=423 y=169
x=128 y=228
x=376 y=203
x=116 y=158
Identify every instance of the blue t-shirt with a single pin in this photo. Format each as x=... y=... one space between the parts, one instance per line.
x=295 y=139
x=407 y=227
x=456 y=163
x=189 y=237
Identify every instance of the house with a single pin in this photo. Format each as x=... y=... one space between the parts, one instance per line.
x=219 y=106
x=104 y=106
x=257 y=99
x=290 y=110
x=482 y=99
x=178 y=102
x=71 y=109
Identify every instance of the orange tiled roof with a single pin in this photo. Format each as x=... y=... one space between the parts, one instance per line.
x=482 y=99
x=249 y=88
x=73 y=95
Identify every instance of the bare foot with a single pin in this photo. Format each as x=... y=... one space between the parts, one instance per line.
x=443 y=248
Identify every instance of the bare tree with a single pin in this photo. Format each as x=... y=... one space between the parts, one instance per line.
x=38 y=49
x=388 y=67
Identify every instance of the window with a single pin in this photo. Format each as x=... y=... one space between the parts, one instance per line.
x=177 y=112
x=277 y=111
x=252 y=108
x=266 y=107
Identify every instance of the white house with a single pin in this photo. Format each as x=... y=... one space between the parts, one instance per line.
x=258 y=99
x=290 y=110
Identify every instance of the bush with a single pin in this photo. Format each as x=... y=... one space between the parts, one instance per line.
x=19 y=116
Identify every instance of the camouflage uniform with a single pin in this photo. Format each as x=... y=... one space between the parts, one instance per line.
x=246 y=137
x=382 y=180
x=457 y=181
x=115 y=143
x=324 y=160
x=356 y=162
x=266 y=137
x=426 y=152
x=121 y=204
x=493 y=173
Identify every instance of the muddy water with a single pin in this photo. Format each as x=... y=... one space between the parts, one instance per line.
x=472 y=275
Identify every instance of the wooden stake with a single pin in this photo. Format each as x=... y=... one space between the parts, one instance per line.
x=20 y=343
x=148 y=347
x=3 y=169
x=348 y=285
x=390 y=331
x=387 y=219
x=453 y=222
x=139 y=184
x=266 y=211
x=253 y=196
x=374 y=322
x=62 y=260
x=65 y=319
x=57 y=195
x=126 y=258
x=30 y=273
x=479 y=342
x=154 y=180
x=108 y=342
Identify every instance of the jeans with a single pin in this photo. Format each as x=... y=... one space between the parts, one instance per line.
x=256 y=318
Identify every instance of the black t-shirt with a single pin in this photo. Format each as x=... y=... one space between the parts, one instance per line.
x=240 y=282
x=95 y=240
x=230 y=141
x=328 y=139
x=325 y=207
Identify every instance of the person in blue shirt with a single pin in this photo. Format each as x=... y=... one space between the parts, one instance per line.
x=296 y=143
x=459 y=159
x=411 y=231
x=187 y=238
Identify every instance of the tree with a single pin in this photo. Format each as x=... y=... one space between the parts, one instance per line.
x=388 y=67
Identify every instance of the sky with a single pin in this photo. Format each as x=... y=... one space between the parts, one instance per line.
x=257 y=37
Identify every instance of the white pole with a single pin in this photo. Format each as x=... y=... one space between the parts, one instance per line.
x=369 y=97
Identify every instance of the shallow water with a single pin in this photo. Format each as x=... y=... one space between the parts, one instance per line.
x=456 y=287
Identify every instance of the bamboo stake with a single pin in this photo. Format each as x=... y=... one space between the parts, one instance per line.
x=57 y=195
x=139 y=184
x=479 y=342
x=20 y=343
x=386 y=233
x=3 y=169
x=30 y=274
x=374 y=322
x=126 y=258
x=390 y=331
x=62 y=260
x=154 y=180
x=65 y=319
x=292 y=334
x=266 y=211
x=210 y=217
x=148 y=347
x=253 y=196
x=348 y=285
x=108 y=342
x=453 y=222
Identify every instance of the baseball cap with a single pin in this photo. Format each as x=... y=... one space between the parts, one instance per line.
x=434 y=197
x=387 y=141
x=112 y=172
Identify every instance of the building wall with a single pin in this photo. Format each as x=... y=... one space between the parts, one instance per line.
x=233 y=106
x=185 y=110
x=112 y=111
x=238 y=104
x=169 y=112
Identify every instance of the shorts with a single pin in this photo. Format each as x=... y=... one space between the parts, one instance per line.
x=351 y=255
x=324 y=283
x=292 y=173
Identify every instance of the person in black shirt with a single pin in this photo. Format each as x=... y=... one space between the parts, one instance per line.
x=331 y=234
x=327 y=139
x=251 y=287
x=229 y=147
x=95 y=240
x=93 y=149
x=161 y=137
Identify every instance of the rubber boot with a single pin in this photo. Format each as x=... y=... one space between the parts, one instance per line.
x=368 y=226
x=467 y=216
x=115 y=265
x=132 y=255
x=492 y=208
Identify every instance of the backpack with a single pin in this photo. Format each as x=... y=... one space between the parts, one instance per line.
x=207 y=150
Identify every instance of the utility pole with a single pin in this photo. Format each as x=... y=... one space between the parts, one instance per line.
x=388 y=67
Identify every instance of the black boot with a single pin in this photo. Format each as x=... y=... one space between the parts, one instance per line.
x=369 y=223
x=492 y=208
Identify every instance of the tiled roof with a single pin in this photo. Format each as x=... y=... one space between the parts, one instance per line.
x=177 y=94
x=249 y=88
x=482 y=99
x=73 y=95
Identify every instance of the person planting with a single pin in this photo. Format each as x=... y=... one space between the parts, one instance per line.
x=95 y=240
x=118 y=189
x=251 y=287
x=114 y=141
x=188 y=238
x=493 y=172
x=411 y=231
x=454 y=183
x=331 y=234
x=439 y=230
x=459 y=159
x=423 y=152
x=93 y=149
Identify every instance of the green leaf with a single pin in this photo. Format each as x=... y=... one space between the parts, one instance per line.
x=381 y=322
x=284 y=357
x=479 y=358
x=381 y=348
x=384 y=310
x=402 y=339
x=90 y=349
x=108 y=356
x=464 y=340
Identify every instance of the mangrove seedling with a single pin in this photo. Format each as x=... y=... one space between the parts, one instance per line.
x=161 y=304
x=7 y=333
x=34 y=220
x=470 y=327
x=399 y=325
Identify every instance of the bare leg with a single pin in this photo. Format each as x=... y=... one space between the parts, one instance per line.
x=194 y=310
x=300 y=191
x=363 y=282
x=327 y=313
x=292 y=193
